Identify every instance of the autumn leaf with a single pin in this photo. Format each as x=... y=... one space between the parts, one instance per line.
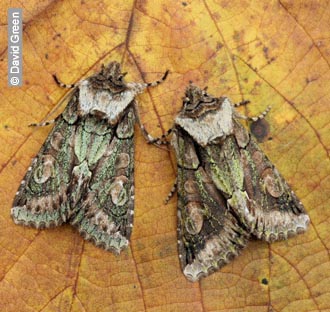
x=270 y=52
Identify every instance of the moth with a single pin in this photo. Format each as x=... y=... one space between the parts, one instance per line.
x=84 y=172
x=228 y=190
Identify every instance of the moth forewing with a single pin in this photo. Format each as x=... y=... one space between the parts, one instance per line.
x=228 y=190
x=84 y=172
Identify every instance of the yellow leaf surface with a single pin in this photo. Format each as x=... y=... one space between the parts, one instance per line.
x=271 y=52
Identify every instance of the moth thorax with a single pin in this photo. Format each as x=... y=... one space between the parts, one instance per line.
x=104 y=103
x=210 y=127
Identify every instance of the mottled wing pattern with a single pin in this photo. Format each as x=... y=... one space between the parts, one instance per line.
x=209 y=235
x=42 y=199
x=83 y=173
x=105 y=213
x=228 y=190
x=256 y=192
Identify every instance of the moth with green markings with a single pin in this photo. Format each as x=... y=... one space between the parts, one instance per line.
x=84 y=172
x=228 y=190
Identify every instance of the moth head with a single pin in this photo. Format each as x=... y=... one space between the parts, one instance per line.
x=197 y=101
x=110 y=77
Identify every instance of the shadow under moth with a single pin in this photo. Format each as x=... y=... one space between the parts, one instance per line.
x=84 y=172
x=228 y=190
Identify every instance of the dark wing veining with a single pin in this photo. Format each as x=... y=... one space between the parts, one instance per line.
x=255 y=190
x=209 y=235
x=105 y=213
x=42 y=200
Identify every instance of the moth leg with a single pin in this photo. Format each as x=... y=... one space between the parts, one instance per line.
x=156 y=83
x=150 y=139
x=254 y=118
x=42 y=124
x=172 y=191
x=63 y=85
x=145 y=134
x=241 y=103
x=160 y=140
x=49 y=122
